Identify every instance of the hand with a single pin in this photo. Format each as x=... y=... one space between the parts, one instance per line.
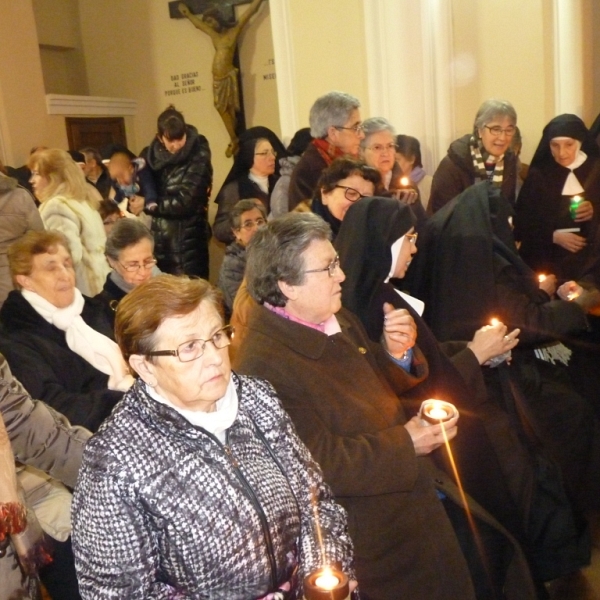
x=183 y=9
x=426 y=438
x=408 y=196
x=569 y=241
x=399 y=330
x=584 y=212
x=569 y=291
x=352 y=585
x=492 y=340
x=136 y=205
x=549 y=285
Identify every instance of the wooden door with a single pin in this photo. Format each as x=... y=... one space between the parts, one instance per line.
x=95 y=132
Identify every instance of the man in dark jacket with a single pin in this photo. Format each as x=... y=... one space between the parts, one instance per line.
x=179 y=157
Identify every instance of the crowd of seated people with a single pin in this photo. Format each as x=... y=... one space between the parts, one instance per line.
x=354 y=288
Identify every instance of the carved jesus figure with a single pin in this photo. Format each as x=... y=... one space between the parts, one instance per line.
x=225 y=82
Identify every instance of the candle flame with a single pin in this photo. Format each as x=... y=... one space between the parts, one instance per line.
x=327 y=580
x=494 y=322
x=541 y=277
x=404 y=181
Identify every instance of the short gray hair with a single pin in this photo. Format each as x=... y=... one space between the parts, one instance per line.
x=275 y=254
x=375 y=125
x=243 y=206
x=493 y=108
x=331 y=110
x=124 y=233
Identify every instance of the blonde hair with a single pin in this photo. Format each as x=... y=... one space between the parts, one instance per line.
x=65 y=177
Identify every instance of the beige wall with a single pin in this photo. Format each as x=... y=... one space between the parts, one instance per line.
x=500 y=51
x=328 y=45
x=24 y=121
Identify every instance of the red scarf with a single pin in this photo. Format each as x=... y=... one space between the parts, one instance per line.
x=327 y=150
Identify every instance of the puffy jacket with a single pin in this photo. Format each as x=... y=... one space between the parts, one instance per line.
x=163 y=509
x=179 y=222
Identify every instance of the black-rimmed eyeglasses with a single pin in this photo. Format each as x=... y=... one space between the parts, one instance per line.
x=350 y=193
x=193 y=349
x=332 y=267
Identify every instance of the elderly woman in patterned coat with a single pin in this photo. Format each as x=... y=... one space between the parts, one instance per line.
x=197 y=486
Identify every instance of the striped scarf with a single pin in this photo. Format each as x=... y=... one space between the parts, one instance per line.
x=486 y=166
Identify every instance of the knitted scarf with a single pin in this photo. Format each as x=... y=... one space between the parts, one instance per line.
x=98 y=350
x=487 y=167
x=327 y=150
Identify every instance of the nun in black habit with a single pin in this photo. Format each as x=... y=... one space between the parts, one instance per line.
x=565 y=164
x=254 y=173
x=496 y=468
x=468 y=271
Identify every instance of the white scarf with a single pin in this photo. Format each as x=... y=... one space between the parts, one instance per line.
x=262 y=181
x=216 y=422
x=98 y=350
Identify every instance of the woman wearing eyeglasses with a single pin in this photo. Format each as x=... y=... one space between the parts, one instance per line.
x=482 y=155
x=378 y=150
x=198 y=485
x=130 y=254
x=246 y=217
x=53 y=337
x=343 y=183
x=254 y=173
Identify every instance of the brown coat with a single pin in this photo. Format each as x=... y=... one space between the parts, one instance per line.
x=342 y=394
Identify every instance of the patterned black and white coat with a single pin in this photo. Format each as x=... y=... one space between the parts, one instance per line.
x=162 y=509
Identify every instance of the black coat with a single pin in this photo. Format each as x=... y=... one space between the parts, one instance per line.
x=179 y=223
x=541 y=209
x=456 y=173
x=40 y=359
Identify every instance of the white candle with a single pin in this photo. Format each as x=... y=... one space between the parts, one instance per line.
x=327 y=580
x=437 y=412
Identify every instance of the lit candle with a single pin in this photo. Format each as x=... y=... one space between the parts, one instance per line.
x=327 y=580
x=541 y=277
x=433 y=412
x=574 y=205
x=404 y=181
x=494 y=322
x=328 y=583
x=572 y=296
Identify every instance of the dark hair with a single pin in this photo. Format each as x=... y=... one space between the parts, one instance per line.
x=300 y=142
x=274 y=254
x=171 y=124
x=244 y=206
x=409 y=147
x=125 y=233
x=108 y=207
x=77 y=156
x=341 y=168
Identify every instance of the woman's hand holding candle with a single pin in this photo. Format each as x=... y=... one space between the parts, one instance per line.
x=569 y=291
x=584 y=211
x=548 y=284
x=492 y=340
x=426 y=439
x=399 y=330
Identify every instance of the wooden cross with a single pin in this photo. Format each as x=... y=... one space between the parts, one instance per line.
x=199 y=6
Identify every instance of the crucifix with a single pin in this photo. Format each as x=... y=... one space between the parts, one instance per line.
x=219 y=23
